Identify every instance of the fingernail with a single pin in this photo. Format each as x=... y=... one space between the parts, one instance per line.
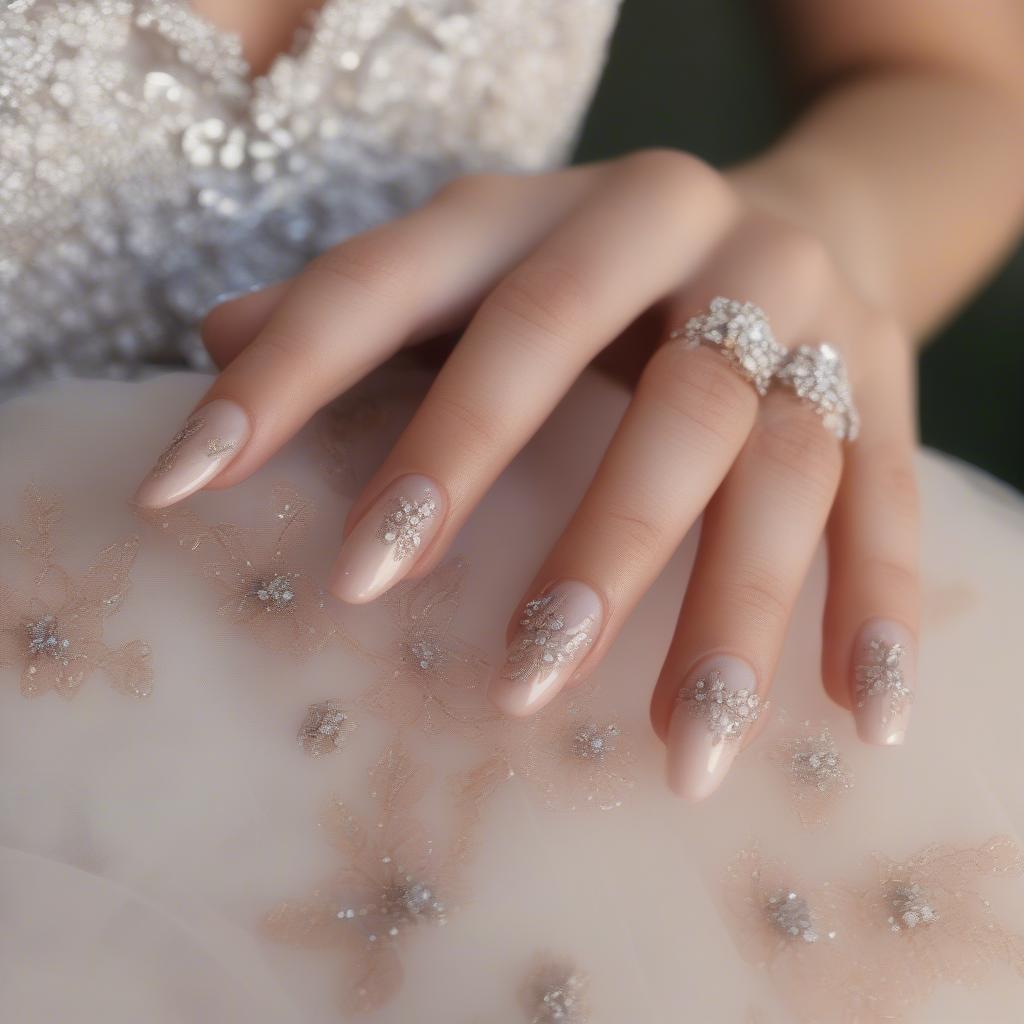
x=883 y=682
x=716 y=707
x=554 y=632
x=212 y=437
x=386 y=542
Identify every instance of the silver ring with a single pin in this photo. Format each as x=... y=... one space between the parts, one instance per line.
x=817 y=374
x=742 y=333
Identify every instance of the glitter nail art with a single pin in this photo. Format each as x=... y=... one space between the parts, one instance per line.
x=815 y=773
x=544 y=641
x=882 y=675
x=218 y=446
x=403 y=524
x=325 y=728
x=728 y=714
x=169 y=456
x=555 y=992
x=53 y=629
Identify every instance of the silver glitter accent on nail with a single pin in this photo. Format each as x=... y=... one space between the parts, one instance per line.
x=543 y=642
x=218 y=446
x=402 y=528
x=556 y=993
x=789 y=912
x=169 y=456
x=740 y=331
x=910 y=906
x=728 y=714
x=325 y=728
x=882 y=675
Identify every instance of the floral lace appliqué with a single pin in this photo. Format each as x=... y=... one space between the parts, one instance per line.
x=265 y=591
x=394 y=882
x=54 y=631
x=325 y=728
x=431 y=678
x=933 y=920
x=815 y=773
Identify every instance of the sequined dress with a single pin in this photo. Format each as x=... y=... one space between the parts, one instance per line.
x=144 y=172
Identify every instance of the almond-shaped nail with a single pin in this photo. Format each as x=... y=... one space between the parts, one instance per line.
x=212 y=437
x=715 y=708
x=386 y=542
x=554 y=631
x=883 y=682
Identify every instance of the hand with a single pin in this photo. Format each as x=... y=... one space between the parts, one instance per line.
x=547 y=272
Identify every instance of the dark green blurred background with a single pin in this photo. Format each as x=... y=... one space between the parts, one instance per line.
x=702 y=75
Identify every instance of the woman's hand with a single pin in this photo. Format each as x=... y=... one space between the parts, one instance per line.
x=547 y=272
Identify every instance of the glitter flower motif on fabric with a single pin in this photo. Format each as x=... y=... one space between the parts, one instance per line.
x=403 y=524
x=815 y=773
x=728 y=714
x=796 y=931
x=431 y=679
x=742 y=333
x=53 y=629
x=169 y=456
x=264 y=590
x=933 y=920
x=325 y=728
x=543 y=642
x=881 y=674
x=555 y=992
x=395 y=882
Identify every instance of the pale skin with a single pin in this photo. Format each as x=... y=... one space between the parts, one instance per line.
x=889 y=198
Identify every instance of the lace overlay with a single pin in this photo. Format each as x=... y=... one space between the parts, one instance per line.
x=53 y=631
x=143 y=172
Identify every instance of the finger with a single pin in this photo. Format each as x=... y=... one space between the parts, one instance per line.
x=871 y=614
x=758 y=538
x=232 y=324
x=350 y=310
x=691 y=414
x=622 y=250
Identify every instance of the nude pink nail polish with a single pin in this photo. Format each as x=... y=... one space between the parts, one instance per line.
x=883 y=682
x=212 y=437
x=554 y=632
x=388 y=539
x=714 y=710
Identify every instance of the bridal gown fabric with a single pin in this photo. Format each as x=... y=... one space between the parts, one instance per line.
x=226 y=798
x=184 y=856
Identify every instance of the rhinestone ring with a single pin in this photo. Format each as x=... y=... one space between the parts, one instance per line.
x=741 y=332
x=817 y=374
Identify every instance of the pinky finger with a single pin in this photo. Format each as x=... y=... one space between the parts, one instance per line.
x=871 y=615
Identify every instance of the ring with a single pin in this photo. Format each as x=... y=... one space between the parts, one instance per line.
x=817 y=374
x=742 y=333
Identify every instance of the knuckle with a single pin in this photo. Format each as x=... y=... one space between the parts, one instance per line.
x=673 y=172
x=759 y=591
x=803 y=258
x=469 y=187
x=459 y=416
x=698 y=387
x=892 y=478
x=635 y=538
x=372 y=262
x=798 y=445
x=547 y=294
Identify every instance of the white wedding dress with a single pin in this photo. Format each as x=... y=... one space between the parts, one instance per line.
x=225 y=798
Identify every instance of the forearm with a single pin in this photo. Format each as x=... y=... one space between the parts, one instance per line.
x=913 y=178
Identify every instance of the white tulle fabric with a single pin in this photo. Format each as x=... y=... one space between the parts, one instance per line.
x=143 y=842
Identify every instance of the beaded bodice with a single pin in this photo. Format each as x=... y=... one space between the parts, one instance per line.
x=144 y=172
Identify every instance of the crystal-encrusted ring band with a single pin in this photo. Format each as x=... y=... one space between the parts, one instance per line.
x=740 y=331
x=817 y=374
